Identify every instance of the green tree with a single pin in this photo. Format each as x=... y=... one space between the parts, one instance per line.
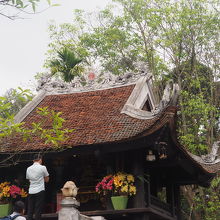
x=15 y=99
x=66 y=65
x=208 y=200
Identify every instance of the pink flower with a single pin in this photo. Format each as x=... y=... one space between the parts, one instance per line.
x=15 y=191
x=105 y=185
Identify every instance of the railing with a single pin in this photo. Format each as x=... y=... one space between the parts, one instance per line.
x=158 y=203
x=69 y=210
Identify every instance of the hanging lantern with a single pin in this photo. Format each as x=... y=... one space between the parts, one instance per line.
x=162 y=150
x=150 y=156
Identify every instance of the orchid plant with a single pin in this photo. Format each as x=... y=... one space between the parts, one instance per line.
x=118 y=184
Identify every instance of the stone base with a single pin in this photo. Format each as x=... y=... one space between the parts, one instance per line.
x=69 y=211
x=98 y=218
x=70 y=202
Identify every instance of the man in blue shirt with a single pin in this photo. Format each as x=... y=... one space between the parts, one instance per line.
x=37 y=174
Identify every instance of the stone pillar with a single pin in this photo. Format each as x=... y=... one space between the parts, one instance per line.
x=69 y=209
x=69 y=205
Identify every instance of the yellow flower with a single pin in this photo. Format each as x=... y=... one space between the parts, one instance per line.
x=123 y=184
x=118 y=181
x=23 y=193
x=132 y=190
x=5 y=191
x=130 y=178
x=124 y=188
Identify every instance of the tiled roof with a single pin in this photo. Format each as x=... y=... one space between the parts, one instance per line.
x=211 y=168
x=94 y=115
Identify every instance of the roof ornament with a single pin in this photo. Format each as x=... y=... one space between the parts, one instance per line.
x=142 y=103
x=213 y=156
x=170 y=95
x=165 y=98
x=90 y=81
x=42 y=81
x=69 y=189
x=50 y=84
x=167 y=94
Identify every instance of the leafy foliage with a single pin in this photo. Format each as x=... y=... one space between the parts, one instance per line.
x=10 y=104
x=66 y=65
x=208 y=201
x=12 y=8
x=54 y=135
x=14 y=100
x=199 y=111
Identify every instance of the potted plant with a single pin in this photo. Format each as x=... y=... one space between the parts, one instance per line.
x=104 y=189
x=8 y=193
x=120 y=186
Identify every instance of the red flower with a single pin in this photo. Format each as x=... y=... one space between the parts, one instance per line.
x=105 y=185
x=15 y=191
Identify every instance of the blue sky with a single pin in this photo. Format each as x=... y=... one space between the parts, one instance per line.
x=23 y=42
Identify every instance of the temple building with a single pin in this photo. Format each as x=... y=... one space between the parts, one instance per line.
x=120 y=125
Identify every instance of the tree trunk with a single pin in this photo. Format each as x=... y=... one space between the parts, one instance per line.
x=189 y=194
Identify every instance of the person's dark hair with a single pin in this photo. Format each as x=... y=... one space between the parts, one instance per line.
x=19 y=207
x=37 y=157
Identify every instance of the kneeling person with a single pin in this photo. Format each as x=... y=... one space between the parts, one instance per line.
x=18 y=211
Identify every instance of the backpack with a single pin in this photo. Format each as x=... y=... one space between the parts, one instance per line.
x=9 y=217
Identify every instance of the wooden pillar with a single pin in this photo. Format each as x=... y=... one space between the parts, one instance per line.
x=138 y=170
x=171 y=198
x=177 y=201
x=58 y=175
x=147 y=193
x=153 y=184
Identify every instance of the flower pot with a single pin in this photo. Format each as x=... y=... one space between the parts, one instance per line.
x=5 y=209
x=119 y=202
